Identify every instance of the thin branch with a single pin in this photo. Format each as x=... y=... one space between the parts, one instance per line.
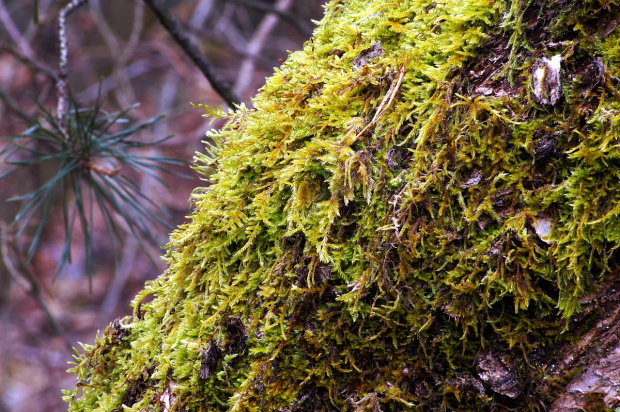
x=27 y=281
x=299 y=23
x=193 y=52
x=201 y=13
x=223 y=39
x=244 y=75
x=61 y=84
x=33 y=64
x=109 y=37
x=115 y=290
x=14 y=32
x=387 y=100
x=14 y=107
x=129 y=51
x=125 y=93
x=111 y=82
x=228 y=31
x=134 y=36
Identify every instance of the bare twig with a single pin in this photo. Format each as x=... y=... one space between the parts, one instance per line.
x=227 y=30
x=14 y=107
x=193 y=52
x=305 y=28
x=125 y=93
x=166 y=102
x=61 y=84
x=108 y=84
x=232 y=40
x=201 y=13
x=109 y=37
x=34 y=26
x=223 y=23
x=14 y=32
x=136 y=32
x=115 y=290
x=387 y=100
x=255 y=45
x=129 y=50
x=27 y=281
x=30 y=62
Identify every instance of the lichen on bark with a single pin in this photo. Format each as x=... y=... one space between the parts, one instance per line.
x=410 y=217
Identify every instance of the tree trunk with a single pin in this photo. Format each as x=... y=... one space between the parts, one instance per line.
x=420 y=212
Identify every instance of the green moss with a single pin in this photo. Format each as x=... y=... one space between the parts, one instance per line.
x=368 y=235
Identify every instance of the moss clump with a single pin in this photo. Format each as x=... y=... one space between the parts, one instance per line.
x=416 y=232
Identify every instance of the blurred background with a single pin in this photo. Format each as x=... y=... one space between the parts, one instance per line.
x=118 y=55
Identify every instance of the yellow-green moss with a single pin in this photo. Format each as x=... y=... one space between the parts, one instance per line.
x=368 y=234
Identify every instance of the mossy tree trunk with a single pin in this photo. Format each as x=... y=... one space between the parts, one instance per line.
x=421 y=212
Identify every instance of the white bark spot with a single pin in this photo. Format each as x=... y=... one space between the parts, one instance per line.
x=168 y=398
x=473 y=179
x=542 y=227
x=601 y=378
x=546 y=80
